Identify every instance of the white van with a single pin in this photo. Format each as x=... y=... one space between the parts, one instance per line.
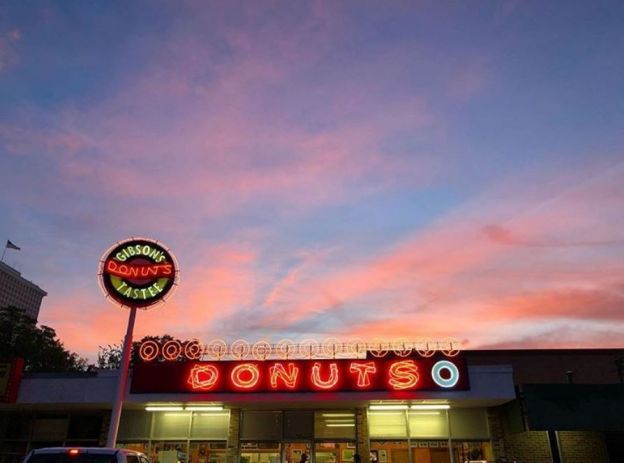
x=84 y=455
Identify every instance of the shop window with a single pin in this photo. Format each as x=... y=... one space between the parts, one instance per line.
x=387 y=424
x=142 y=447
x=298 y=424
x=171 y=425
x=335 y=452
x=428 y=423
x=261 y=425
x=293 y=451
x=207 y=452
x=134 y=425
x=334 y=425
x=469 y=423
x=85 y=426
x=12 y=452
x=168 y=452
x=18 y=426
x=389 y=452
x=260 y=452
x=50 y=428
x=472 y=450
x=431 y=451
x=210 y=425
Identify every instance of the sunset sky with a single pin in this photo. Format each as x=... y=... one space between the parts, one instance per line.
x=343 y=169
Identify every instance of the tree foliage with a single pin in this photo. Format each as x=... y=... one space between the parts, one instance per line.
x=41 y=350
x=109 y=356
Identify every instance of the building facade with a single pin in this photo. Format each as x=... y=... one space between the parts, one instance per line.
x=18 y=292
x=521 y=406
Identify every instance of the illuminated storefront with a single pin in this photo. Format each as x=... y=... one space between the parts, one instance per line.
x=269 y=414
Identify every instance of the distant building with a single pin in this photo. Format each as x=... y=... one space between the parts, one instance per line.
x=16 y=291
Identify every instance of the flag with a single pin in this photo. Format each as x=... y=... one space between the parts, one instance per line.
x=10 y=245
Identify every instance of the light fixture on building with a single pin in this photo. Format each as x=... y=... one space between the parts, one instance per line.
x=204 y=408
x=340 y=425
x=430 y=407
x=160 y=408
x=388 y=407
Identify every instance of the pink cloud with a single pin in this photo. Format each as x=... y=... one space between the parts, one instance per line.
x=451 y=274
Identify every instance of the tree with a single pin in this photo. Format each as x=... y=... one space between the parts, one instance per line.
x=37 y=345
x=109 y=356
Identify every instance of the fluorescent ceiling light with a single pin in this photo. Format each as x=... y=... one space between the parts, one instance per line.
x=340 y=425
x=388 y=407
x=163 y=409
x=344 y=420
x=337 y=415
x=204 y=408
x=431 y=407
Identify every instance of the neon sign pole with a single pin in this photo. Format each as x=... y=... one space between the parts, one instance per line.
x=137 y=274
x=122 y=381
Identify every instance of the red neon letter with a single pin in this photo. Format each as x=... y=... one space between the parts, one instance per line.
x=330 y=382
x=245 y=375
x=403 y=375
x=363 y=370
x=288 y=378
x=203 y=377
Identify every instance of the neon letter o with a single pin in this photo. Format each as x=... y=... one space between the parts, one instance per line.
x=149 y=350
x=436 y=371
x=237 y=373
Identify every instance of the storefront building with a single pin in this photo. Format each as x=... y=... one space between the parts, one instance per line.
x=494 y=410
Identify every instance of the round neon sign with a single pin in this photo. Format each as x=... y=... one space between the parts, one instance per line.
x=138 y=272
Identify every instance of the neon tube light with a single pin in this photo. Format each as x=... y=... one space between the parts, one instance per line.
x=204 y=408
x=164 y=409
x=388 y=407
x=430 y=407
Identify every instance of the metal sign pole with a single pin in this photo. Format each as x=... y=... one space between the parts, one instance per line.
x=122 y=381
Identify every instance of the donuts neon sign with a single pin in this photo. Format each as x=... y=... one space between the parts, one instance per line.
x=387 y=374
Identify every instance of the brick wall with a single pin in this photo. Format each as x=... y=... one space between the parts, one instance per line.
x=528 y=447
x=582 y=447
x=361 y=426
x=497 y=433
x=232 y=455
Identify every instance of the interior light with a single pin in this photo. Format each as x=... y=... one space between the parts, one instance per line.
x=204 y=408
x=340 y=425
x=388 y=407
x=340 y=420
x=431 y=407
x=337 y=415
x=163 y=409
